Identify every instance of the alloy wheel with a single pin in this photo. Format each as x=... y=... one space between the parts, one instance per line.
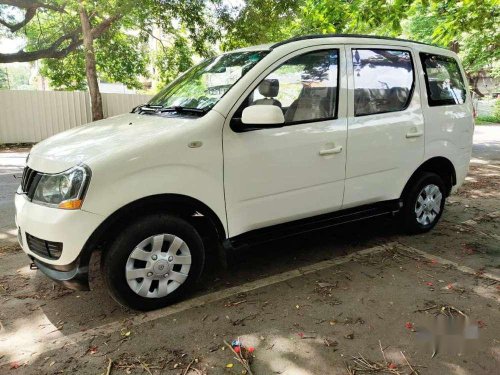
x=428 y=205
x=158 y=265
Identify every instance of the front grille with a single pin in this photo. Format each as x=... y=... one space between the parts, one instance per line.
x=47 y=249
x=29 y=181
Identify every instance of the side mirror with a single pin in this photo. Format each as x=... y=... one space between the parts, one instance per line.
x=262 y=115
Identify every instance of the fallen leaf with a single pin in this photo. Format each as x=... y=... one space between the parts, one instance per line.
x=229 y=365
x=125 y=333
x=325 y=285
x=92 y=350
x=329 y=342
x=392 y=366
x=14 y=365
x=429 y=283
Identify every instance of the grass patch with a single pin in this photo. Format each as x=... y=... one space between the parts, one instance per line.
x=487 y=120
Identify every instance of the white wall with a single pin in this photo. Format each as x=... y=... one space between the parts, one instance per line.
x=31 y=116
x=485 y=107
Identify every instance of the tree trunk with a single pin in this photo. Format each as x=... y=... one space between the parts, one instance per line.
x=90 y=65
x=474 y=81
x=455 y=46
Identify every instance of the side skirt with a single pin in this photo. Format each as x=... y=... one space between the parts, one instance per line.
x=310 y=224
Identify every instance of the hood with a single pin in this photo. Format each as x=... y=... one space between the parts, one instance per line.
x=84 y=143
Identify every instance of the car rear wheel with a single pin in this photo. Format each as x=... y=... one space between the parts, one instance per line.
x=153 y=262
x=423 y=204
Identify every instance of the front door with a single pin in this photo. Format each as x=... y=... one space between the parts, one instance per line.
x=276 y=175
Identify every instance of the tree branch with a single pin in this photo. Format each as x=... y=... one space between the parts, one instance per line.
x=28 y=16
x=54 y=50
x=27 y=4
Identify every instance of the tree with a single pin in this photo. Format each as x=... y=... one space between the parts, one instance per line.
x=120 y=57
x=90 y=64
x=81 y=31
x=258 y=21
x=56 y=41
x=466 y=27
x=469 y=27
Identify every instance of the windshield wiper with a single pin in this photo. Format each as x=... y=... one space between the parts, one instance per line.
x=146 y=108
x=153 y=109
x=180 y=109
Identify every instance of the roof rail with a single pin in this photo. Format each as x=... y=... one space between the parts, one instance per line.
x=318 y=36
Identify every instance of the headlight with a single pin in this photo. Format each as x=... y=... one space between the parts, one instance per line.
x=63 y=190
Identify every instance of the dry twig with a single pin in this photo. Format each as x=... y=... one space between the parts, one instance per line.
x=188 y=366
x=110 y=366
x=240 y=359
x=413 y=371
x=382 y=350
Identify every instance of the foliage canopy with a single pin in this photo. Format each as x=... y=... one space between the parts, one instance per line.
x=123 y=30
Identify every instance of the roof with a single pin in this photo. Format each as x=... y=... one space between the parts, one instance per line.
x=320 y=36
x=260 y=47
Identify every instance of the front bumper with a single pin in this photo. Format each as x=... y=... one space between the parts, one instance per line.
x=72 y=228
x=72 y=276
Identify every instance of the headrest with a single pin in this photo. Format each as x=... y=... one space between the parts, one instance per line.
x=269 y=88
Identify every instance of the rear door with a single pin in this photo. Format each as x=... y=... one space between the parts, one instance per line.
x=385 y=142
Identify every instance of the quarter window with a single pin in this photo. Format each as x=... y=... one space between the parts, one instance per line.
x=305 y=87
x=383 y=80
x=445 y=85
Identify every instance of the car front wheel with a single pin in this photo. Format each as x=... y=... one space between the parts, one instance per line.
x=153 y=262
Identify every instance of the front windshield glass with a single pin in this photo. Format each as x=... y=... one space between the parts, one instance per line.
x=203 y=86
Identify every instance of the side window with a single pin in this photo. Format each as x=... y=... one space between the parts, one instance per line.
x=383 y=80
x=445 y=85
x=304 y=87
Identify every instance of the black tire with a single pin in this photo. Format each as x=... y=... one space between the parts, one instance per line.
x=115 y=259
x=408 y=215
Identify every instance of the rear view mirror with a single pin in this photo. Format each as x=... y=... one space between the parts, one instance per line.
x=262 y=115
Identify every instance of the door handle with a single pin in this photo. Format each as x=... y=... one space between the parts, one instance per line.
x=414 y=133
x=331 y=151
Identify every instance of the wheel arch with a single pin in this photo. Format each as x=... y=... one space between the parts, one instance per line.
x=441 y=166
x=197 y=213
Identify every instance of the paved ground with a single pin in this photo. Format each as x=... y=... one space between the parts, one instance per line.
x=325 y=303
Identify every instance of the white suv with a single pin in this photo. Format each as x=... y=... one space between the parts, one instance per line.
x=253 y=145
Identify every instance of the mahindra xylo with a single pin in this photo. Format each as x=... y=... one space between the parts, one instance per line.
x=254 y=144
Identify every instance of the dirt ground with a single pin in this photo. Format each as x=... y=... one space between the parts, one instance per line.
x=357 y=299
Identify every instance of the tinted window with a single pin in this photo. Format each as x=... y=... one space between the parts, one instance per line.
x=383 y=80
x=304 y=87
x=443 y=79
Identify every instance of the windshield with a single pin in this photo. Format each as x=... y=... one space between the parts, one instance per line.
x=203 y=86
